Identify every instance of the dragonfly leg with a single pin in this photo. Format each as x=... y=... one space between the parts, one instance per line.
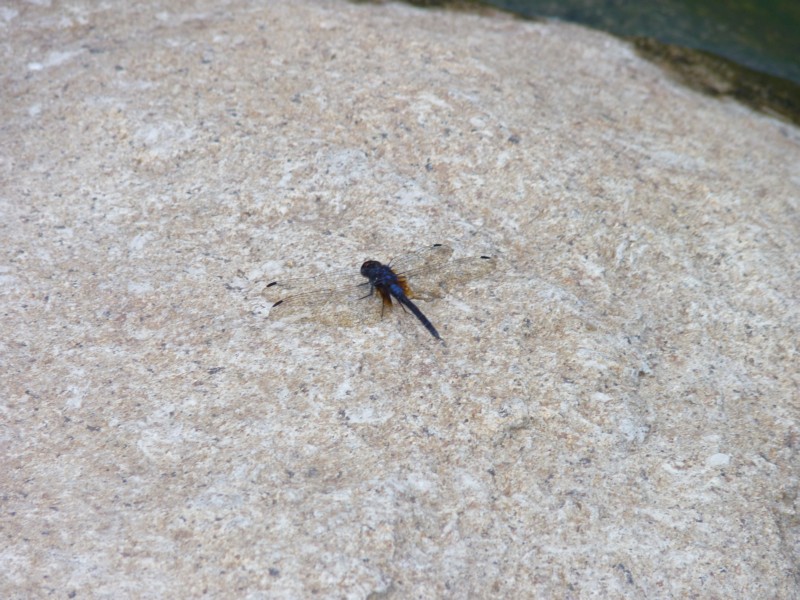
x=371 y=290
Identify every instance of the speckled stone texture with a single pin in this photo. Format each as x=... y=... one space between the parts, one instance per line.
x=614 y=413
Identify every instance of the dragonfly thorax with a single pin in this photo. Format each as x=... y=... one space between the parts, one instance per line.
x=378 y=273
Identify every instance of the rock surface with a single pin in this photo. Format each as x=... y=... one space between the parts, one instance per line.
x=614 y=413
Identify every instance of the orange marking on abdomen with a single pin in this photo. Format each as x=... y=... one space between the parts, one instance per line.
x=406 y=288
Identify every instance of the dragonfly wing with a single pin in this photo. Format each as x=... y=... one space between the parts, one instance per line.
x=435 y=283
x=346 y=306
x=336 y=280
x=343 y=297
x=430 y=258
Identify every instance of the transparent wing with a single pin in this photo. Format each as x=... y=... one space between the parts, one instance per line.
x=348 y=306
x=430 y=258
x=343 y=297
x=426 y=259
x=434 y=283
x=333 y=280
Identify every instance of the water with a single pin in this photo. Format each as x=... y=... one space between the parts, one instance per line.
x=763 y=36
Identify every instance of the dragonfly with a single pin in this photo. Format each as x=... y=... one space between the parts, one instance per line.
x=352 y=297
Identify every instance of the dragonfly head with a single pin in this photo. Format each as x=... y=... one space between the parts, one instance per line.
x=369 y=268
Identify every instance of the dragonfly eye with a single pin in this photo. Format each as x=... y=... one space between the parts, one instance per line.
x=368 y=267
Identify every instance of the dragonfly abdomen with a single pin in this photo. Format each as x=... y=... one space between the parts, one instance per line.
x=398 y=293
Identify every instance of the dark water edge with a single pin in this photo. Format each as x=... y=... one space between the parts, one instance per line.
x=697 y=67
x=717 y=76
x=761 y=35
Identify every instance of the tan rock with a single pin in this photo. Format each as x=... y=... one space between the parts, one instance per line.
x=614 y=413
